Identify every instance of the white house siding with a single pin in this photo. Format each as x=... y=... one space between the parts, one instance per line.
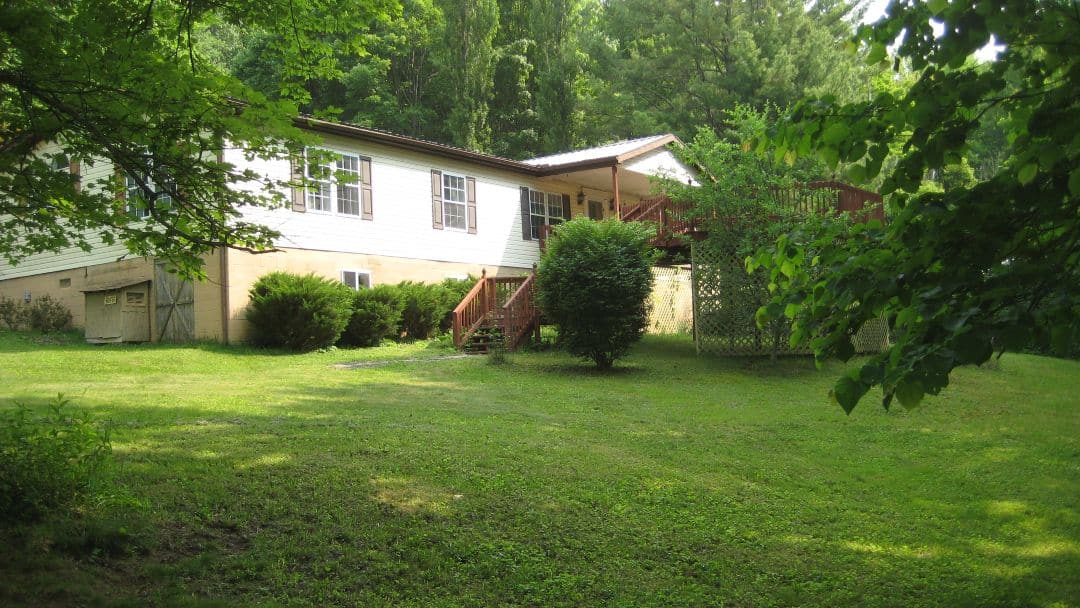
x=401 y=226
x=661 y=162
x=70 y=257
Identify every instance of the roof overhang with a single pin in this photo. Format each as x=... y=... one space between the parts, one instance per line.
x=487 y=160
x=414 y=144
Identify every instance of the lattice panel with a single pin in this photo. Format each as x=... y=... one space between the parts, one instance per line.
x=671 y=304
x=726 y=299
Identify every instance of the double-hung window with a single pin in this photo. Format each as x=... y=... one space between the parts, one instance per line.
x=545 y=209
x=140 y=190
x=333 y=186
x=454 y=202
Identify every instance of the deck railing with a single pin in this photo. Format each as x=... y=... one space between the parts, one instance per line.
x=674 y=218
x=519 y=314
x=483 y=303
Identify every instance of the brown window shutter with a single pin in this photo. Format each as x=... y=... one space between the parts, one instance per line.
x=122 y=179
x=296 y=171
x=436 y=200
x=566 y=207
x=470 y=197
x=526 y=219
x=366 y=204
x=76 y=173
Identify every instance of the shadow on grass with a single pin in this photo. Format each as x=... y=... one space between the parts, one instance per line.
x=421 y=489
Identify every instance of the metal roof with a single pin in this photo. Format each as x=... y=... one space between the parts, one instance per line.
x=619 y=150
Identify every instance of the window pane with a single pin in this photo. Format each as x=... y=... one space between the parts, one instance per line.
x=454 y=215
x=348 y=199
x=318 y=197
x=348 y=277
x=348 y=164
x=537 y=221
x=536 y=203
x=554 y=203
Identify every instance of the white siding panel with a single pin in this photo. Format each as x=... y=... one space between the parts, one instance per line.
x=401 y=225
x=70 y=257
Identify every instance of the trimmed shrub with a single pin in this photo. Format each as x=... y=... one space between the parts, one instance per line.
x=47 y=463
x=48 y=315
x=376 y=315
x=12 y=313
x=593 y=283
x=424 y=309
x=454 y=291
x=299 y=312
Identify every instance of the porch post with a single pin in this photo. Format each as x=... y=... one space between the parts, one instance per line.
x=615 y=189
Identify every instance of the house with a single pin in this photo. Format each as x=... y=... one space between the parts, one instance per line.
x=419 y=211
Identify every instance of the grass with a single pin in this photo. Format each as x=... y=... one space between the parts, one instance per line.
x=250 y=478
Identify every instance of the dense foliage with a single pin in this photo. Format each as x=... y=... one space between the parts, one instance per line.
x=122 y=80
x=428 y=306
x=593 y=283
x=527 y=77
x=376 y=314
x=298 y=312
x=512 y=77
x=46 y=462
x=48 y=315
x=975 y=269
x=12 y=312
x=743 y=205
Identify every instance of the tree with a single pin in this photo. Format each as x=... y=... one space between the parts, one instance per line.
x=124 y=81
x=468 y=59
x=980 y=268
x=679 y=64
x=593 y=282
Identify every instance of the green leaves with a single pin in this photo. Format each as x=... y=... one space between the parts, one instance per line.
x=1027 y=173
x=981 y=267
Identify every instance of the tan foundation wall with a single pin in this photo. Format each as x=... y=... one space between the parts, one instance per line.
x=208 y=292
x=135 y=270
x=246 y=268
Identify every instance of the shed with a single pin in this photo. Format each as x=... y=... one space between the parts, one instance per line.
x=118 y=312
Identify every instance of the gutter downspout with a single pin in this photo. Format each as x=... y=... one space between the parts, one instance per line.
x=225 y=295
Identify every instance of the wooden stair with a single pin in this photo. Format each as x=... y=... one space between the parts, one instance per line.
x=497 y=312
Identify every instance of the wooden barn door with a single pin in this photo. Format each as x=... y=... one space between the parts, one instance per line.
x=175 y=314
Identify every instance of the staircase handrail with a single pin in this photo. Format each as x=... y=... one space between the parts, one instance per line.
x=469 y=314
x=519 y=314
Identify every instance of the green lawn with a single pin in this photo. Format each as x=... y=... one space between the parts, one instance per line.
x=250 y=478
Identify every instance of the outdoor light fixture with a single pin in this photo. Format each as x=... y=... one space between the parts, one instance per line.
x=611 y=204
x=581 y=196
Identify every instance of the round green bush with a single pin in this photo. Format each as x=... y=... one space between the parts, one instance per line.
x=298 y=312
x=593 y=283
x=376 y=315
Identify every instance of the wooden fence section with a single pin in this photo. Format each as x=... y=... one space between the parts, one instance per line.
x=671 y=308
x=725 y=300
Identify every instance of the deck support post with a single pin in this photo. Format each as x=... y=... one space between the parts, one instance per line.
x=615 y=189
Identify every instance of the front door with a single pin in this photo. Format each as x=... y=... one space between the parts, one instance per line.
x=596 y=210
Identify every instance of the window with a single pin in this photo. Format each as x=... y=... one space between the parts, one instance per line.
x=65 y=283
x=60 y=162
x=357 y=279
x=545 y=209
x=454 y=205
x=334 y=186
x=137 y=196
